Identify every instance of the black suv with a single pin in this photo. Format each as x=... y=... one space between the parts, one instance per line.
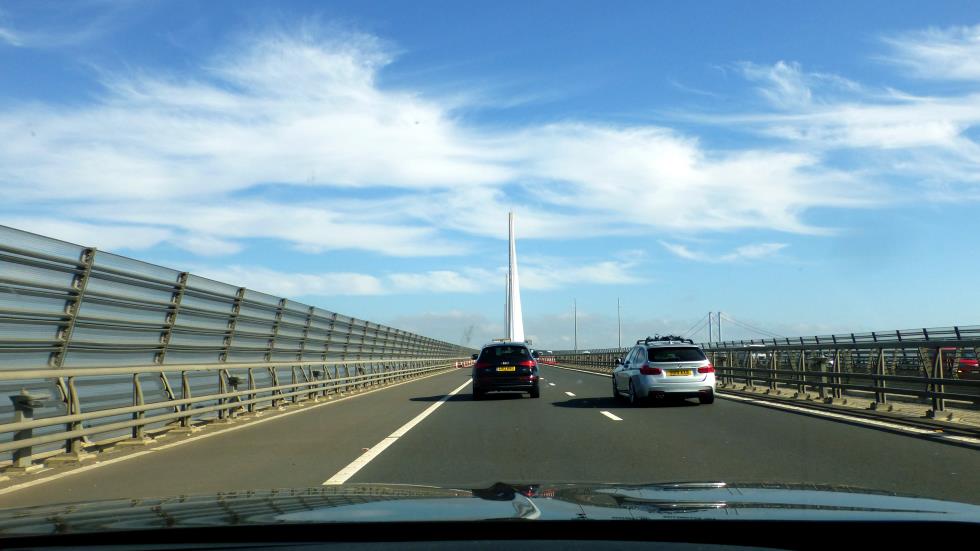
x=505 y=366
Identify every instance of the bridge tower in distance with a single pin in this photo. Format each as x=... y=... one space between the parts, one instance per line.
x=513 y=316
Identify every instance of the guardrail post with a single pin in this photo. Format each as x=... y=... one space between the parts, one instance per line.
x=936 y=386
x=293 y=380
x=327 y=382
x=73 y=446
x=74 y=449
x=233 y=382
x=79 y=284
x=274 y=378
x=139 y=431
x=821 y=365
x=185 y=394
x=385 y=341
x=24 y=406
x=773 y=366
x=879 y=383
x=837 y=390
x=733 y=364
x=306 y=333
x=315 y=384
x=347 y=336
x=801 y=375
x=328 y=339
x=364 y=336
x=251 y=387
x=139 y=437
x=275 y=330
x=750 y=364
x=222 y=414
x=170 y=318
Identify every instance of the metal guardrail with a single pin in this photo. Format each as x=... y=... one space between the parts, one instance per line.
x=76 y=429
x=84 y=332
x=923 y=364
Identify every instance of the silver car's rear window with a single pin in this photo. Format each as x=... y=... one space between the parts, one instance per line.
x=675 y=354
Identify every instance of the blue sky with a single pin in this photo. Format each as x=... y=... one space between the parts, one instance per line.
x=805 y=167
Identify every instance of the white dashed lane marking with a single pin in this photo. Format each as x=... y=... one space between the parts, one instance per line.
x=610 y=415
x=569 y=393
x=551 y=384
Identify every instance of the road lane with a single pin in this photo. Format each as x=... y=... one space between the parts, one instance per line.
x=588 y=437
x=558 y=438
x=301 y=450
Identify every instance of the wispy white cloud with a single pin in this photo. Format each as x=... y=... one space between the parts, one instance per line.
x=541 y=273
x=536 y=274
x=951 y=53
x=294 y=284
x=38 y=25
x=753 y=251
x=692 y=90
x=923 y=140
x=101 y=236
x=10 y=37
x=311 y=226
x=784 y=85
x=303 y=109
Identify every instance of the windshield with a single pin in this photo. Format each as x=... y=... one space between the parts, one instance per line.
x=498 y=250
x=508 y=353
x=675 y=354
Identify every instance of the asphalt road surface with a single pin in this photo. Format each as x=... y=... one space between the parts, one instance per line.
x=575 y=432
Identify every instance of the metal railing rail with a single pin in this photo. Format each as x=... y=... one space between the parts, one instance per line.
x=84 y=331
x=227 y=404
x=900 y=338
x=920 y=364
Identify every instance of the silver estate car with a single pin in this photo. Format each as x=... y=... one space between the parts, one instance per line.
x=660 y=367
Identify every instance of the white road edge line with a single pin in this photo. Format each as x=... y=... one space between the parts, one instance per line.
x=350 y=470
x=861 y=420
x=249 y=423
x=610 y=415
x=570 y=393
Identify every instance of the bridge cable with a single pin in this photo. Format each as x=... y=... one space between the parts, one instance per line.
x=697 y=325
x=750 y=327
x=756 y=330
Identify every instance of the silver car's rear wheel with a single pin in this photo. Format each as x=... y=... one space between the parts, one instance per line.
x=632 y=397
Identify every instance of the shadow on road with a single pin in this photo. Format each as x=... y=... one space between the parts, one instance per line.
x=468 y=397
x=437 y=397
x=608 y=402
x=489 y=397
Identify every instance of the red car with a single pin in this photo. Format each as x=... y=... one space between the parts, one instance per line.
x=968 y=367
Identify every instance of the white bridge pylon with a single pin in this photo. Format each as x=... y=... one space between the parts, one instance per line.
x=513 y=317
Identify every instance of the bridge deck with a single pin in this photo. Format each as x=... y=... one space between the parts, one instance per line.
x=557 y=438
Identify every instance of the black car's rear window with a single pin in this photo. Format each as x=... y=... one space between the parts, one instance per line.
x=675 y=354
x=500 y=353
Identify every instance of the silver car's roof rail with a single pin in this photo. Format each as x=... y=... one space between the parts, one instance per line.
x=664 y=340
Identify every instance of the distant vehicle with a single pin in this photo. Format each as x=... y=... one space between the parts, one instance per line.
x=660 y=367
x=507 y=366
x=967 y=368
